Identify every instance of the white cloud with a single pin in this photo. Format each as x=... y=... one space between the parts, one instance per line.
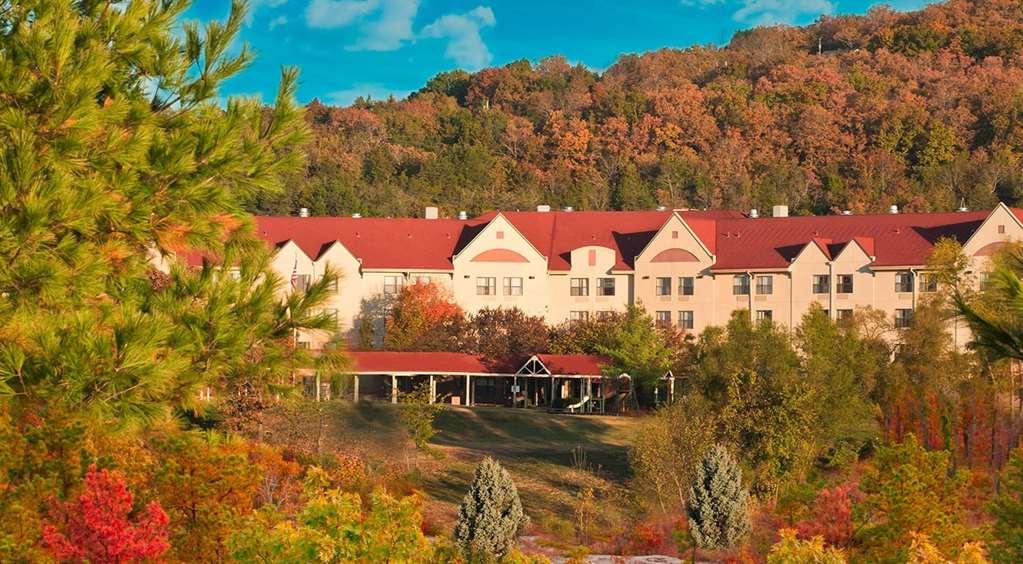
x=391 y=29
x=770 y=12
x=257 y=5
x=370 y=90
x=384 y=25
x=277 y=22
x=465 y=46
x=701 y=3
x=328 y=14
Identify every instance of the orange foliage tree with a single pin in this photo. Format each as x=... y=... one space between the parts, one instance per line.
x=423 y=317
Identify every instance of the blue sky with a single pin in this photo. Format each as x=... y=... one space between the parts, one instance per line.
x=348 y=48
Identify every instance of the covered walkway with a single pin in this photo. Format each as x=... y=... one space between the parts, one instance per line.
x=570 y=383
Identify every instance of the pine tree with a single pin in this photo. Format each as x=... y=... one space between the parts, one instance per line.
x=114 y=149
x=117 y=152
x=491 y=515
x=717 y=502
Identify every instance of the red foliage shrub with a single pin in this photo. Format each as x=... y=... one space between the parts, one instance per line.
x=832 y=517
x=98 y=528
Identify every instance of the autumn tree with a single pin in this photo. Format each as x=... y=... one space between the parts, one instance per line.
x=333 y=526
x=910 y=490
x=101 y=526
x=423 y=317
x=1007 y=509
x=503 y=333
x=668 y=448
x=749 y=373
x=790 y=549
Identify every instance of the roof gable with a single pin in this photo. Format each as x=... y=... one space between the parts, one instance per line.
x=675 y=223
x=499 y=223
x=1000 y=213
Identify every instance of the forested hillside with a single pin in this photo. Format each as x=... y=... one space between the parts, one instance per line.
x=920 y=109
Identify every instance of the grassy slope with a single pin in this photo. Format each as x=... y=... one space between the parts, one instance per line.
x=551 y=457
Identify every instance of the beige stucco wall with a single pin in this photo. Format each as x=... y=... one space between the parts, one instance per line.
x=548 y=294
x=531 y=267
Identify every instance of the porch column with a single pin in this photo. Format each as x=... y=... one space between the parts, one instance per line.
x=394 y=389
x=355 y=388
x=671 y=389
x=468 y=390
x=433 y=389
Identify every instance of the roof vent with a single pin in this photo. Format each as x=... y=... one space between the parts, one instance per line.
x=356 y=215
x=753 y=213
x=962 y=206
x=780 y=211
x=543 y=208
x=567 y=208
x=894 y=209
x=303 y=212
x=463 y=215
x=846 y=212
x=431 y=212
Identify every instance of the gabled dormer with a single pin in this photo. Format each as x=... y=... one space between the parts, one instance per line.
x=499 y=242
x=675 y=243
x=1000 y=227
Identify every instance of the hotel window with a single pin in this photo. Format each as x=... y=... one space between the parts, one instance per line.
x=513 y=286
x=392 y=285
x=302 y=281
x=844 y=316
x=844 y=284
x=903 y=318
x=605 y=315
x=903 y=282
x=663 y=319
x=685 y=319
x=605 y=286
x=764 y=315
x=985 y=280
x=685 y=286
x=740 y=285
x=662 y=287
x=765 y=285
x=580 y=287
x=304 y=345
x=424 y=279
x=821 y=284
x=576 y=316
x=928 y=283
x=486 y=286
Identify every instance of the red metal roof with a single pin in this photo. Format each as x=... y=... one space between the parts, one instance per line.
x=573 y=364
x=400 y=243
x=737 y=241
x=897 y=239
x=388 y=362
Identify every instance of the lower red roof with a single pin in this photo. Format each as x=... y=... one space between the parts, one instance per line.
x=388 y=362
